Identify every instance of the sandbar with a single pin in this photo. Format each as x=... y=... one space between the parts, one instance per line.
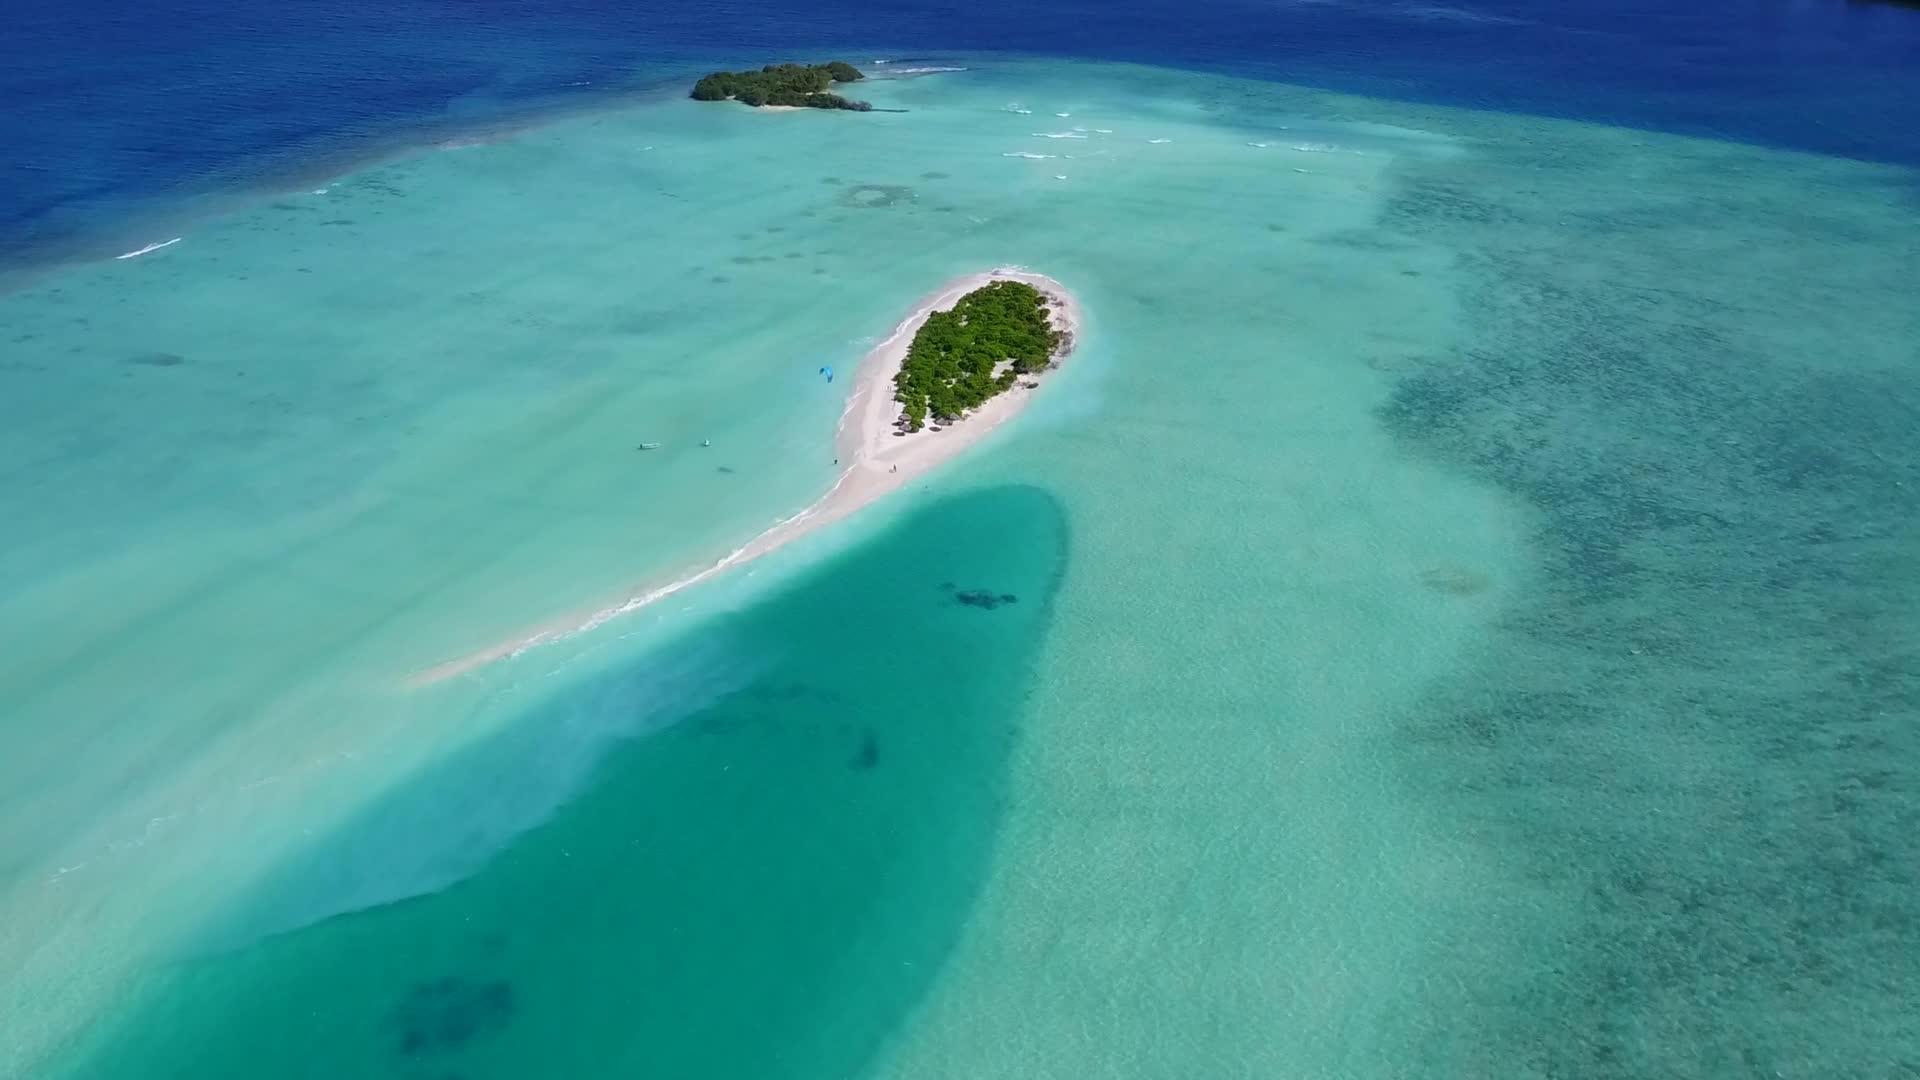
x=874 y=459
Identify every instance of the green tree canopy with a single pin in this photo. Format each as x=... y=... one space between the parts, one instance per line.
x=980 y=347
x=803 y=85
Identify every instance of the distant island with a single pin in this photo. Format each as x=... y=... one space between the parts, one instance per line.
x=976 y=349
x=797 y=86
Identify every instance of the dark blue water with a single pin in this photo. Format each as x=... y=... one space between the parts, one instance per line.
x=111 y=111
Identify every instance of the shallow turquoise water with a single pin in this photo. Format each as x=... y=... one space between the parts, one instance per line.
x=1480 y=648
x=825 y=821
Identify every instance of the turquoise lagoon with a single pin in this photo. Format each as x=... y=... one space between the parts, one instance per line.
x=1463 y=605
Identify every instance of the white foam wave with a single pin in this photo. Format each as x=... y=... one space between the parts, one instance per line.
x=925 y=70
x=1029 y=157
x=1063 y=115
x=149 y=248
x=1438 y=13
x=1058 y=135
x=1157 y=142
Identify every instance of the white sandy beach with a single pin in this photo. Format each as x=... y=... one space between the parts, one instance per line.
x=874 y=460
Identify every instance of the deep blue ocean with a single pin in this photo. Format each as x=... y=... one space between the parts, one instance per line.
x=110 y=111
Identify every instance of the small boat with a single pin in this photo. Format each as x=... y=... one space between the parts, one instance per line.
x=649 y=446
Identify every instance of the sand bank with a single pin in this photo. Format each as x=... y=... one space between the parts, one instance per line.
x=874 y=460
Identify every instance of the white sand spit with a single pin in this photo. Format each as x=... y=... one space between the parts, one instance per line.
x=874 y=461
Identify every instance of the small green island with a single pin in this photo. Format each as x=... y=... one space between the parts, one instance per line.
x=978 y=348
x=800 y=86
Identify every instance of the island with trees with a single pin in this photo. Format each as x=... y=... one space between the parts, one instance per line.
x=801 y=86
x=978 y=348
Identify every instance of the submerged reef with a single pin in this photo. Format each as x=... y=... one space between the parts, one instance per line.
x=981 y=598
x=447 y=1013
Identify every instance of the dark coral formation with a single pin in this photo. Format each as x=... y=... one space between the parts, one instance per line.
x=447 y=1013
x=981 y=598
x=868 y=755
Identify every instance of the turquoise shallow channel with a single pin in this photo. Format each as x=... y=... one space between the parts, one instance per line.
x=790 y=853
x=1451 y=616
